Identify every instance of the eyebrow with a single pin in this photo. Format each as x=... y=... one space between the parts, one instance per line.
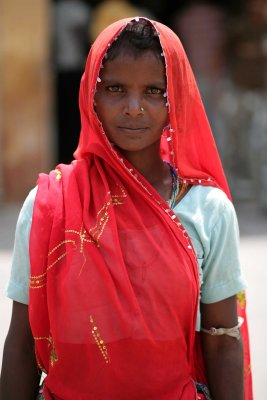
x=107 y=81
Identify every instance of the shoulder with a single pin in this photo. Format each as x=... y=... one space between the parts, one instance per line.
x=61 y=175
x=24 y=221
x=51 y=186
x=29 y=201
x=207 y=205
x=209 y=197
x=25 y=215
x=209 y=217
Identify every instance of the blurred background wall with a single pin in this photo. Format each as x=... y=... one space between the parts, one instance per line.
x=26 y=95
x=43 y=49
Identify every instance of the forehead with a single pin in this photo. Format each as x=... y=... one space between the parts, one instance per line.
x=134 y=68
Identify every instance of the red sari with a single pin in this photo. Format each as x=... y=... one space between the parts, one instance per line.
x=114 y=280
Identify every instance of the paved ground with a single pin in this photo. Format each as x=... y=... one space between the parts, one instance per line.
x=253 y=228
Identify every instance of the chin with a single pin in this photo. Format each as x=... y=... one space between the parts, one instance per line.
x=123 y=149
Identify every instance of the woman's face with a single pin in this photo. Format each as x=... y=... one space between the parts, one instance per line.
x=129 y=101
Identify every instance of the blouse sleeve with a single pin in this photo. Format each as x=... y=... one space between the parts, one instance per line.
x=18 y=285
x=222 y=275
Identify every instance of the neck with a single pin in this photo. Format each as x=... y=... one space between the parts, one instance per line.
x=153 y=169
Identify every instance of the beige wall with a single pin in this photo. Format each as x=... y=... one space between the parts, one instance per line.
x=25 y=95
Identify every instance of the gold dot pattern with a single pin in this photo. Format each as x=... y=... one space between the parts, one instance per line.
x=39 y=281
x=99 y=341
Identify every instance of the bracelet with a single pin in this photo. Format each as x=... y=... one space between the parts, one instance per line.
x=233 y=332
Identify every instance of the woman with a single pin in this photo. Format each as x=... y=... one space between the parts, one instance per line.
x=122 y=239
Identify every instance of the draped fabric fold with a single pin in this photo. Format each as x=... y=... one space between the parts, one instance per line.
x=114 y=279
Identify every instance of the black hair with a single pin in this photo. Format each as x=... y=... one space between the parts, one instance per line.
x=136 y=38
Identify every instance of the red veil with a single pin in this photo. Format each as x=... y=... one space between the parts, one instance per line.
x=114 y=281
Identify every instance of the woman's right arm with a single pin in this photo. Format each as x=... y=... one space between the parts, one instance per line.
x=19 y=376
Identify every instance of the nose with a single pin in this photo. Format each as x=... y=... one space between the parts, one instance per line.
x=133 y=106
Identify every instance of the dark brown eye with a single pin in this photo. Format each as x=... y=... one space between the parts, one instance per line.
x=154 y=90
x=114 y=88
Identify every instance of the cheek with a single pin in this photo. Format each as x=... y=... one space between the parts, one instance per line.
x=105 y=108
x=105 y=117
x=101 y=110
x=162 y=117
x=166 y=114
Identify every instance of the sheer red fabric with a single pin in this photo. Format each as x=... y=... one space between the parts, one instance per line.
x=114 y=280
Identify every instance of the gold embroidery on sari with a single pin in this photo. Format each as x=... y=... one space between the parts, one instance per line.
x=53 y=354
x=241 y=298
x=58 y=174
x=99 y=341
x=39 y=281
x=39 y=364
x=85 y=236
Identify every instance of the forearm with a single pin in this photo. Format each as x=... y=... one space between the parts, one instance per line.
x=19 y=377
x=224 y=364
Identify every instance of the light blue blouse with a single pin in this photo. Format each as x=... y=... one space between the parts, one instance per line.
x=210 y=220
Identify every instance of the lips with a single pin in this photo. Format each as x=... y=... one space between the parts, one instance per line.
x=133 y=128
x=132 y=132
